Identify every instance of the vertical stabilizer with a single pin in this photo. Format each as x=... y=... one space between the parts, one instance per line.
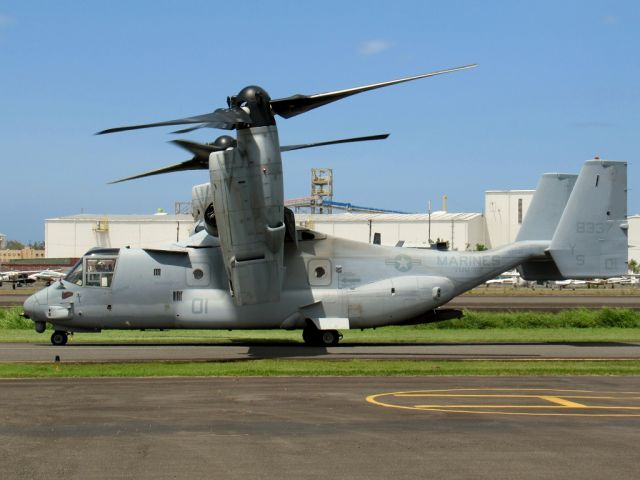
x=591 y=238
x=542 y=218
x=547 y=205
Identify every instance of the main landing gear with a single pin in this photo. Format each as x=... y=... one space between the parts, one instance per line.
x=59 y=338
x=321 y=338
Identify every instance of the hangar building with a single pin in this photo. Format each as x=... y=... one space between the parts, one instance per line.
x=74 y=235
x=462 y=230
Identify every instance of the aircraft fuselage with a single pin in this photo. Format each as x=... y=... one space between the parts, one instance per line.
x=187 y=287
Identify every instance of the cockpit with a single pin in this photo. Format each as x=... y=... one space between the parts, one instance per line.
x=95 y=269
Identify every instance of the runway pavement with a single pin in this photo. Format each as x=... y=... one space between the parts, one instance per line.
x=76 y=352
x=547 y=303
x=318 y=428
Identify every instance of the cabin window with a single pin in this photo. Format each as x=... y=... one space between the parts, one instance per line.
x=99 y=271
x=199 y=275
x=157 y=272
x=319 y=272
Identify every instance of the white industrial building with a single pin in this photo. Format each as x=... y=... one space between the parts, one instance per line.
x=463 y=231
x=634 y=237
x=74 y=235
x=504 y=212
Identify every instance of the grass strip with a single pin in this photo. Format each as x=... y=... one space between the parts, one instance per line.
x=511 y=291
x=306 y=368
x=575 y=318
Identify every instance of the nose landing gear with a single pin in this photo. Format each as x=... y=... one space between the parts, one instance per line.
x=59 y=338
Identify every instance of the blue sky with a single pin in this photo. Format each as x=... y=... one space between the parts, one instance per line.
x=558 y=82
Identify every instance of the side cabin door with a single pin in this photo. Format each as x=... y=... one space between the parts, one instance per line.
x=93 y=301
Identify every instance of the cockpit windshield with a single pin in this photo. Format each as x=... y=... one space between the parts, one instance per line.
x=75 y=275
x=95 y=269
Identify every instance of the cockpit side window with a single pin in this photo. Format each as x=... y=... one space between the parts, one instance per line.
x=99 y=271
x=75 y=275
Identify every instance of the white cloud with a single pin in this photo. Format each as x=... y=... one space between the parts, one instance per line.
x=373 y=47
x=610 y=20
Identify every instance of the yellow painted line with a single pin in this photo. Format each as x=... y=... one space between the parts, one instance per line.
x=530 y=414
x=594 y=407
x=559 y=399
x=419 y=392
x=562 y=401
x=489 y=406
x=467 y=395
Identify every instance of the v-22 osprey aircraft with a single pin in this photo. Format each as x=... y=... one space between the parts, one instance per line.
x=247 y=265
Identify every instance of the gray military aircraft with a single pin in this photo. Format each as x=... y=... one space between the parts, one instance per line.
x=247 y=266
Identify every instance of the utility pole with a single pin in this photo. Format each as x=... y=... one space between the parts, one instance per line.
x=429 y=210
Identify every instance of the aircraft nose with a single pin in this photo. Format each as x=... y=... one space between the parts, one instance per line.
x=34 y=307
x=30 y=305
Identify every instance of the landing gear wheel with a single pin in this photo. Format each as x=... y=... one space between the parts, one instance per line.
x=310 y=336
x=59 y=338
x=328 y=338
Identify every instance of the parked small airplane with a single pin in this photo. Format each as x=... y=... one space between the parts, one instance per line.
x=17 y=278
x=569 y=283
x=47 y=275
x=511 y=277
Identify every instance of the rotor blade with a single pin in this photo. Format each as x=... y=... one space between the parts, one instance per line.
x=190 y=129
x=221 y=118
x=288 y=148
x=193 y=164
x=296 y=104
x=198 y=149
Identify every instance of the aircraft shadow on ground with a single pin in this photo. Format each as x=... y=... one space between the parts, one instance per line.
x=269 y=345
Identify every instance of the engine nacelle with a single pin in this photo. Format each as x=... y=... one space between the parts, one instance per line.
x=248 y=199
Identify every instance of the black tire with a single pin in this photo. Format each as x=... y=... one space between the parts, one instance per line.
x=310 y=336
x=59 y=338
x=328 y=338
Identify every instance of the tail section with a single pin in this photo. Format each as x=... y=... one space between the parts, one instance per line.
x=548 y=203
x=591 y=238
x=542 y=218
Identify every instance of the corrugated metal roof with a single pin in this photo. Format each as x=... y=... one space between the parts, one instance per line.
x=388 y=217
x=92 y=217
x=511 y=192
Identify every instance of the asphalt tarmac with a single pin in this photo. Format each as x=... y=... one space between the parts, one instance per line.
x=318 y=428
x=547 y=303
x=77 y=352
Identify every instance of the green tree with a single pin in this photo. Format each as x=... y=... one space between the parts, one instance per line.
x=480 y=247
x=14 y=245
x=37 y=245
x=633 y=266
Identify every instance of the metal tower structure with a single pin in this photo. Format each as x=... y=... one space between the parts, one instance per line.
x=321 y=189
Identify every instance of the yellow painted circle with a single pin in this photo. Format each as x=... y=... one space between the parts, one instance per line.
x=515 y=401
